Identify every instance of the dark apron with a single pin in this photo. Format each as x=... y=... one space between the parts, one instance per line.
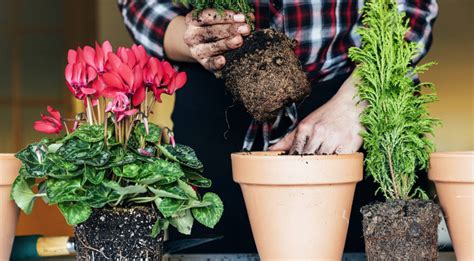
x=206 y=119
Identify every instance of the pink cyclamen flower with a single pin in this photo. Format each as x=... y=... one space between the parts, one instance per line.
x=97 y=58
x=120 y=106
x=49 y=124
x=122 y=78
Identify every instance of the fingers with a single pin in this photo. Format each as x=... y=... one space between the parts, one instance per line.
x=285 y=143
x=207 y=34
x=205 y=50
x=351 y=147
x=303 y=132
x=212 y=17
x=314 y=143
x=214 y=63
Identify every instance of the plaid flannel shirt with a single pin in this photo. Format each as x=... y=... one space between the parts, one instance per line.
x=324 y=30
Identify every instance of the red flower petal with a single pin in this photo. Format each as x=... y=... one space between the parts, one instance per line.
x=127 y=75
x=47 y=127
x=138 y=97
x=112 y=80
x=137 y=78
x=106 y=47
x=177 y=82
x=88 y=91
x=68 y=72
x=113 y=61
x=54 y=113
x=89 y=55
x=110 y=92
x=71 y=56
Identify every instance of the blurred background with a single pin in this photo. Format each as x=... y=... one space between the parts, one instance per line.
x=35 y=36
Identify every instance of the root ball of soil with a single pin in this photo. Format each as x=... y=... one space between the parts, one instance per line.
x=119 y=234
x=264 y=74
x=401 y=230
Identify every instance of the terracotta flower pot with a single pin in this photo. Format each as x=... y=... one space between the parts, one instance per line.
x=298 y=206
x=9 y=167
x=453 y=175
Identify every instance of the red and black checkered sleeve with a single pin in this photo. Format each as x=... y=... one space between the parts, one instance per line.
x=147 y=21
x=422 y=15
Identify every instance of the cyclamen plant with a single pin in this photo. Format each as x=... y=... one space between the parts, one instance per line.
x=112 y=156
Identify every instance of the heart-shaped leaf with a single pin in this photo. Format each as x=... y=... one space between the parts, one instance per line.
x=22 y=194
x=75 y=212
x=210 y=215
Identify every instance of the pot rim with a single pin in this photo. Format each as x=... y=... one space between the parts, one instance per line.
x=273 y=155
x=452 y=167
x=7 y=156
x=453 y=154
x=272 y=168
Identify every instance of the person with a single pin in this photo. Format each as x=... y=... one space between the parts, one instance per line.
x=206 y=118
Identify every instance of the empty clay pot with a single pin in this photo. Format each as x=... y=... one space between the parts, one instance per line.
x=453 y=175
x=9 y=167
x=298 y=206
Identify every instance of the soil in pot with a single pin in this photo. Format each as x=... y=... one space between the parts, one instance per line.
x=264 y=74
x=401 y=230
x=119 y=233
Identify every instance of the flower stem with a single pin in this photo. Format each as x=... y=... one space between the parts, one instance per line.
x=65 y=127
x=89 y=111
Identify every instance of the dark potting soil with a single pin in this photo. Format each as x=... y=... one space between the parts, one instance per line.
x=401 y=230
x=119 y=234
x=264 y=74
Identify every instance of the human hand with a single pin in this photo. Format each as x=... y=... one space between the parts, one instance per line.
x=332 y=128
x=211 y=34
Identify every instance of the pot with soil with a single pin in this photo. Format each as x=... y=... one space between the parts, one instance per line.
x=453 y=175
x=114 y=175
x=117 y=233
x=9 y=167
x=397 y=125
x=286 y=196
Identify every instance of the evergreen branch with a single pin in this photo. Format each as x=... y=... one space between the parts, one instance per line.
x=396 y=119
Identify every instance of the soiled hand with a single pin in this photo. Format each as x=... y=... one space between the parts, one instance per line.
x=332 y=128
x=211 y=34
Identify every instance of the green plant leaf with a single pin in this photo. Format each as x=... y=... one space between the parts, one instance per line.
x=129 y=171
x=119 y=157
x=22 y=194
x=161 y=224
x=196 y=179
x=76 y=149
x=154 y=132
x=64 y=190
x=33 y=158
x=209 y=216
x=183 y=222
x=159 y=171
x=170 y=206
x=89 y=133
x=94 y=176
x=132 y=189
x=168 y=194
x=99 y=160
x=98 y=196
x=75 y=212
x=183 y=154
x=188 y=190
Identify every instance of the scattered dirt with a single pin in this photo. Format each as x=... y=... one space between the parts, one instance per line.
x=401 y=230
x=264 y=74
x=119 y=234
